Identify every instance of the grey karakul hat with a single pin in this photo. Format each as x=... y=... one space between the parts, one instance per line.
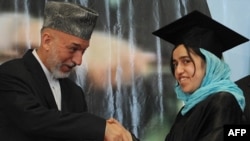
x=70 y=18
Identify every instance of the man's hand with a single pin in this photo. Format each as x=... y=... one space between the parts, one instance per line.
x=116 y=132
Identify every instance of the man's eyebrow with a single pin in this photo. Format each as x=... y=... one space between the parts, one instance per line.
x=76 y=44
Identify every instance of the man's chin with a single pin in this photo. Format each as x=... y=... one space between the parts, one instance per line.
x=61 y=72
x=59 y=75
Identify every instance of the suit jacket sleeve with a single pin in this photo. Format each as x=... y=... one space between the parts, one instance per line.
x=22 y=108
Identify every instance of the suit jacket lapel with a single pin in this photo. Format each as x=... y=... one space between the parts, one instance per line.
x=65 y=98
x=73 y=99
x=40 y=81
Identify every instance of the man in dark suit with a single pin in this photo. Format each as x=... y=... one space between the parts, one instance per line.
x=37 y=100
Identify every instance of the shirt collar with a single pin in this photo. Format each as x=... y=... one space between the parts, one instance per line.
x=48 y=74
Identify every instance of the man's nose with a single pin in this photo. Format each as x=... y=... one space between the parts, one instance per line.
x=77 y=58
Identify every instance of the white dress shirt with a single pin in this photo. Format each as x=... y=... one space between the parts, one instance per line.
x=53 y=82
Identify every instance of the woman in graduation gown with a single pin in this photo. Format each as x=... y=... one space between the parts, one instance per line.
x=211 y=99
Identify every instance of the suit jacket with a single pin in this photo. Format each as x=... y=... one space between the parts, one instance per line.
x=28 y=110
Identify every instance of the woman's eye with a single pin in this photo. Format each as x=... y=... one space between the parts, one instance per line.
x=186 y=61
x=175 y=64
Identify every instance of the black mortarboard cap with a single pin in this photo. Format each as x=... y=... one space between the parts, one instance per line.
x=197 y=30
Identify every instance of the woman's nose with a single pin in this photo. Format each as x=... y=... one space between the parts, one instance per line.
x=179 y=69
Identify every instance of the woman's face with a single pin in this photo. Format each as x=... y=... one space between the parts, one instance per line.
x=188 y=73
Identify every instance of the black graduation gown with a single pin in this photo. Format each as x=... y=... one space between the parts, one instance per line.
x=244 y=84
x=28 y=110
x=205 y=121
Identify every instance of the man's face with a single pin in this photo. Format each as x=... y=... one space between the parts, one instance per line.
x=65 y=52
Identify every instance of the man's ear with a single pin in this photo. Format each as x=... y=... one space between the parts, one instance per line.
x=46 y=40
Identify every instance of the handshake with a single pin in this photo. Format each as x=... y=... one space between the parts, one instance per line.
x=116 y=132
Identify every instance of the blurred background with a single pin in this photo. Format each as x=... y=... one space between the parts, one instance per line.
x=125 y=73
